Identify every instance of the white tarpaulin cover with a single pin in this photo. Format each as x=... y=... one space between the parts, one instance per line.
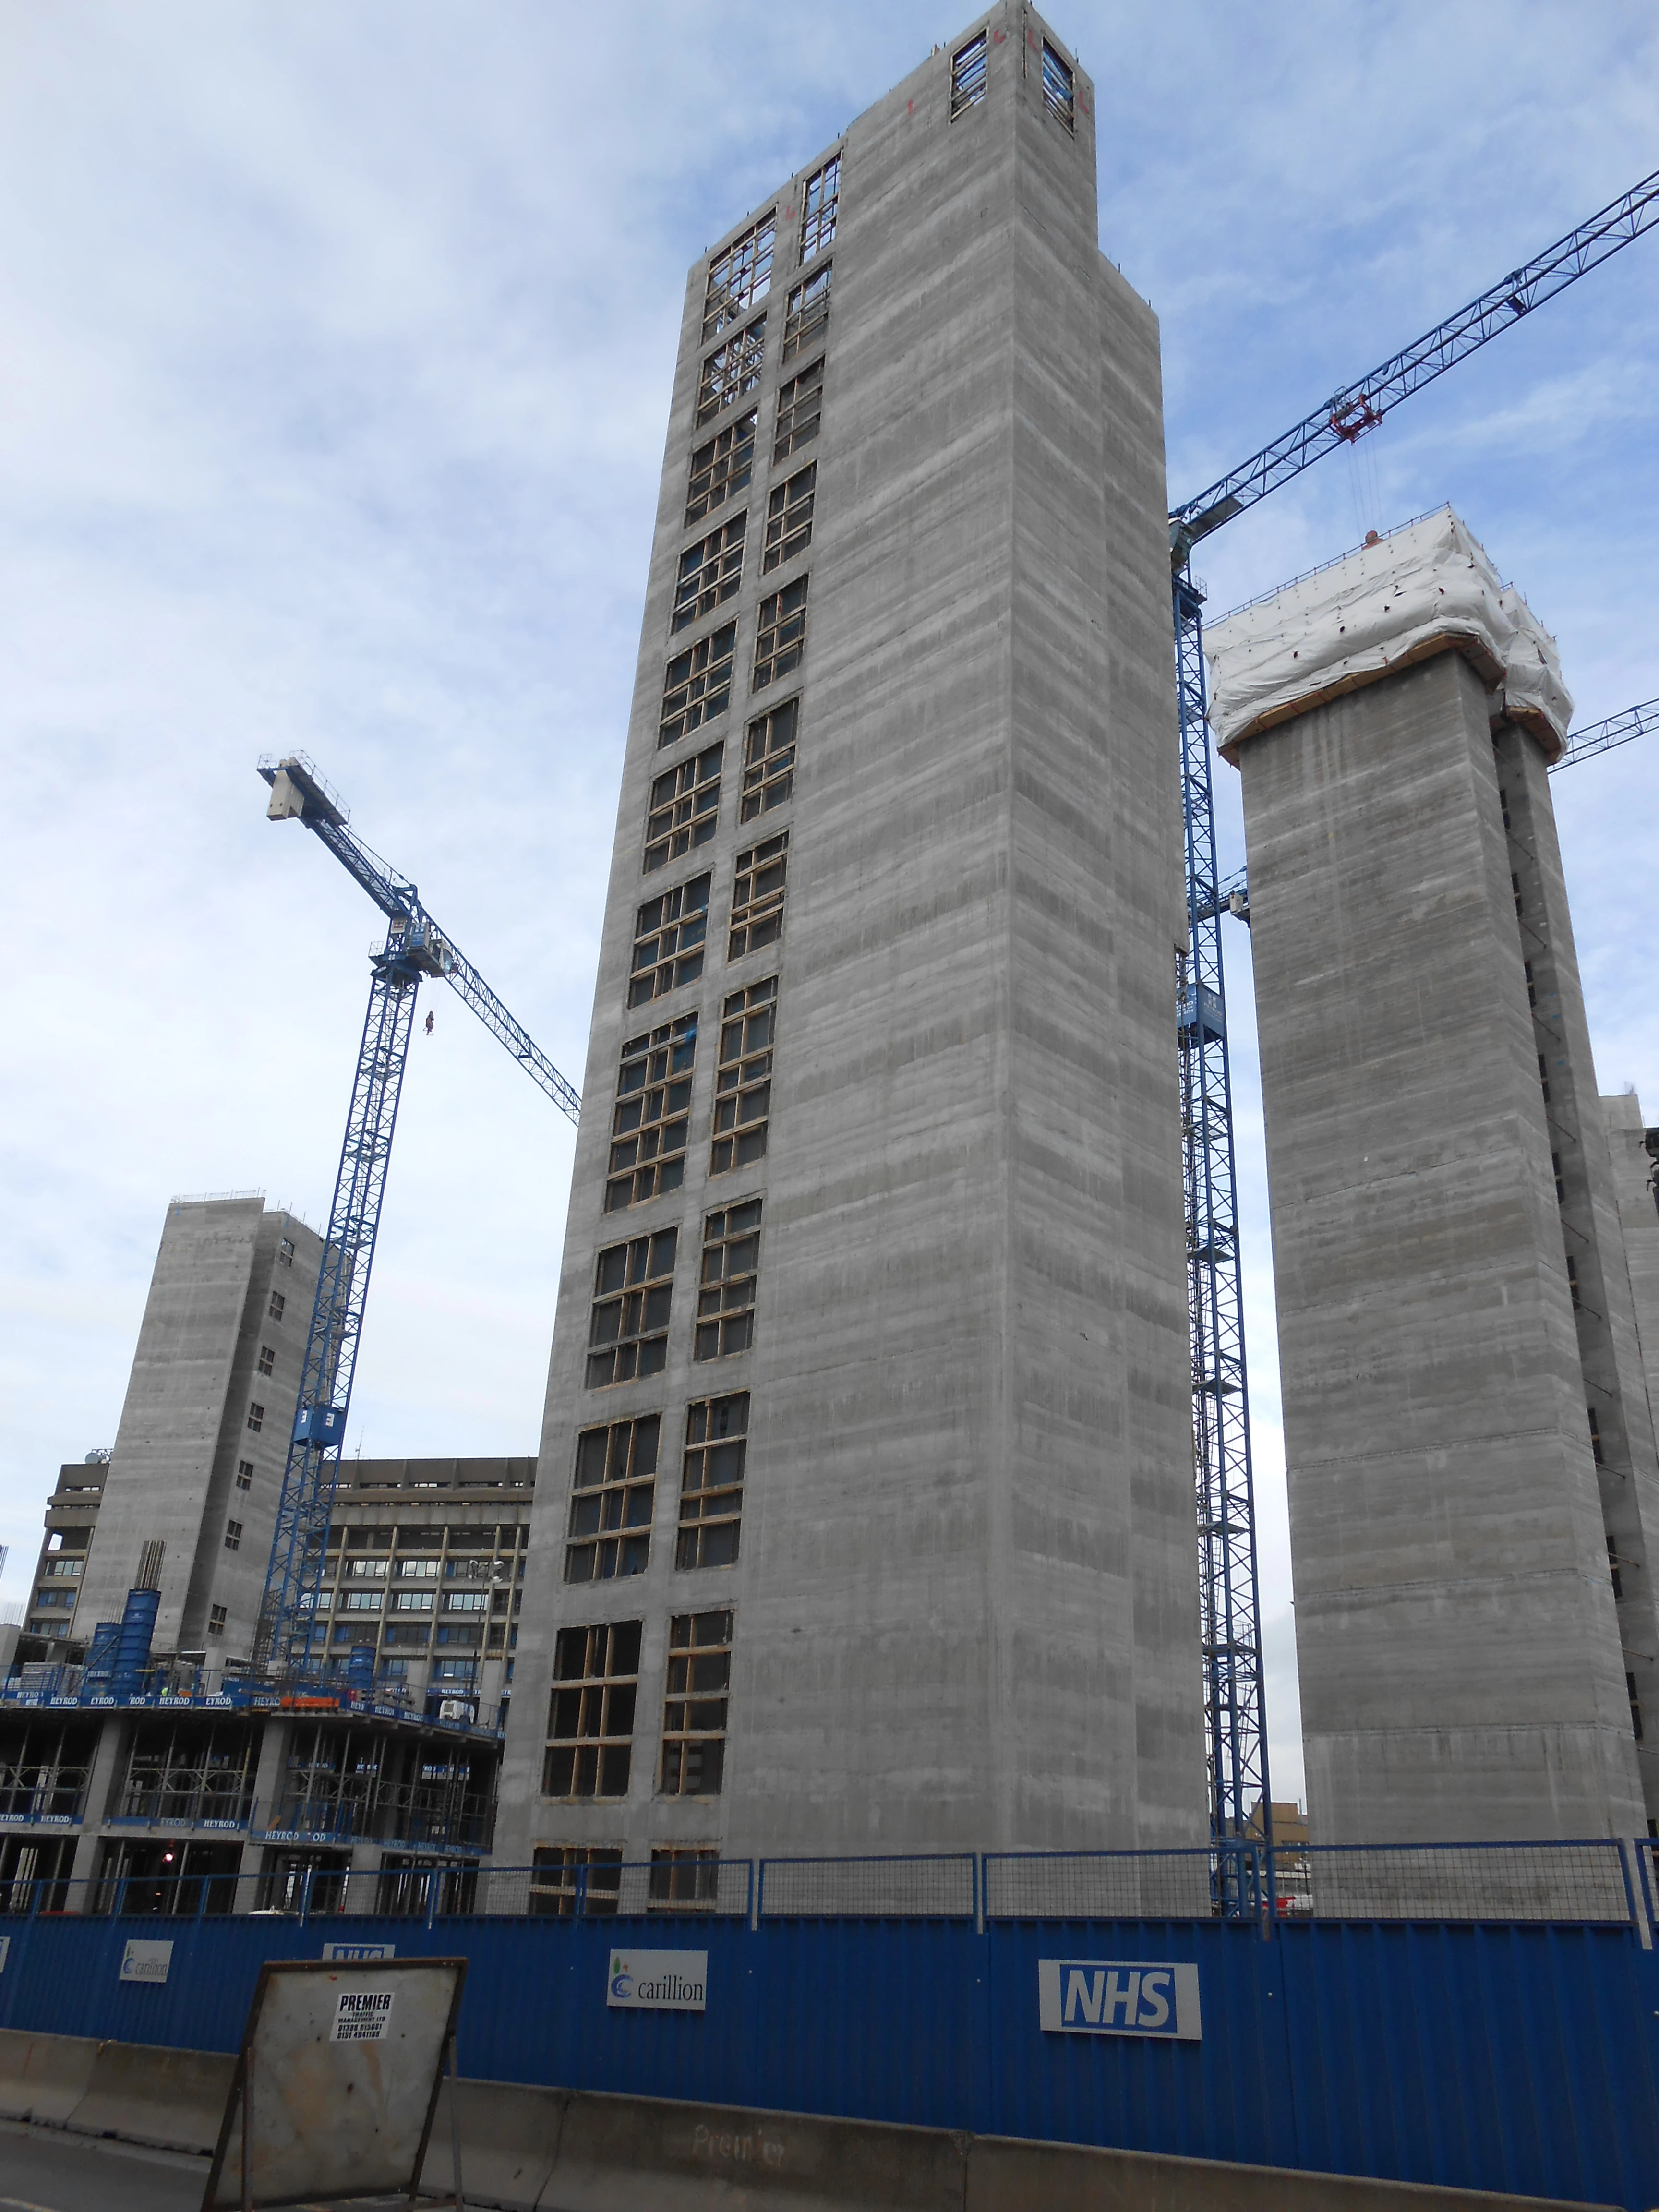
x=1428 y=588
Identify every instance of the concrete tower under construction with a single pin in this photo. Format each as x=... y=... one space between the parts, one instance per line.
x=1474 y=1489
x=865 y=1518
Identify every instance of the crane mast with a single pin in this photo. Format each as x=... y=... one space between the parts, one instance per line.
x=414 y=947
x=1234 y=1706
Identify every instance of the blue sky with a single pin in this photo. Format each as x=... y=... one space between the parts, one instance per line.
x=335 y=350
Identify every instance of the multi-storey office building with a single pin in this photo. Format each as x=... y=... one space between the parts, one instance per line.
x=198 y=1455
x=1473 y=1482
x=865 y=1495
x=53 y=1611
x=425 y=1564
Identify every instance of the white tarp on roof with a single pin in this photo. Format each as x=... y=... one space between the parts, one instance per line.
x=1428 y=588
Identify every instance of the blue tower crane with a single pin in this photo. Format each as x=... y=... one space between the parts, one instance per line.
x=414 y=947
x=1235 y=1713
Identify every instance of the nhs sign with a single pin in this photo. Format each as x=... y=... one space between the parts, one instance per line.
x=1118 y=1997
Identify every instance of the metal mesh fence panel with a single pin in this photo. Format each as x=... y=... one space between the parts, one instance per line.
x=1103 y=1885
x=933 y=1889
x=1454 y=1881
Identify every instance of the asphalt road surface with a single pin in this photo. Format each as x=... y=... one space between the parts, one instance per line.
x=44 y=2169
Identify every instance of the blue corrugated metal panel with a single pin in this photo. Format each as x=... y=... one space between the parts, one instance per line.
x=1516 y=2056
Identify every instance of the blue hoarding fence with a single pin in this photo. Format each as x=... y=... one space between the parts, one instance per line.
x=1065 y=1997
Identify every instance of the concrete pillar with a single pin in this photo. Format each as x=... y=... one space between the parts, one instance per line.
x=1462 y=1665
x=267 y=1790
x=109 y=1766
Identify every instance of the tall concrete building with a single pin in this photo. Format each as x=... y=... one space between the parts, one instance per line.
x=864 y=1518
x=1473 y=1488
x=198 y=1456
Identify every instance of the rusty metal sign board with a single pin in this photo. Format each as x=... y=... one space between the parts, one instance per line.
x=337 y=2081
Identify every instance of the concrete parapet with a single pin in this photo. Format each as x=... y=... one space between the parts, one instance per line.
x=531 y=2149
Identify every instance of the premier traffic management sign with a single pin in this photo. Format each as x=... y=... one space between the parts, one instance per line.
x=1119 y=1996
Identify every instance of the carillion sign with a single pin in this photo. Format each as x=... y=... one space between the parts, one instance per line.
x=658 y=1981
x=1119 y=1996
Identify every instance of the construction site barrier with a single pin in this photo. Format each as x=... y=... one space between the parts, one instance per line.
x=522 y=2147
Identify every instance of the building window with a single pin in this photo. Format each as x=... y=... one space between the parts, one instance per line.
x=710 y=573
x=413 y=1600
x=467 y=1638
x=356 y=1601
x=245 y=1474
x=61 y=1597
x=820 y=201
x=968 y=75
x=789 y=518
x=1515 y=886
x=731 y=369
x=557 y=1886
x=267 y=1359
x=648 y=1128
x=1544 y=1079
x=711 y=1481
x=684 y=1878
x=590 y=1714
x=725 y=1296
x=741 y=275
x=685 y=810
x=1532 y=987
x=1596 y=1438
x=1572 y=1282
x=807 y=312
x=668 y=941
x=694 y=1713
x=277 y=1302
x=62 y=1568
x=1058 y=95
x=420 y=1570
x=743 y=1081
x=769 y=760
x=233 y=1535
x=721 y=468
x=255 y=1416
x=800 y=408
x=628 y=1330
x=467 y=1600
x=285 y=1251
x=698 y=685
x=1613 y=1564
x=611 y=1496
x=1560 y=1184
x=780 y=635
x=1635 y=1707
x=758 y=888
x=217 y=1616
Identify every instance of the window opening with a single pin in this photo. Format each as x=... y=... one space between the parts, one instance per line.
x=684 y=1878
x=267 y=1359
x=721 y=468
x=217 y=1616
x=694 y=1713
x=726 y=1296
x=743 y=1081
x=233 y=1535
x=820 y=201
x=741 y=275
x=800 y=407
x=780 y=635
x=757 y=890
x=277 y=1301
x=769 y=760
x=968 y=75
x=612 y=1495
x=789 y=518
x=710 y=573
x=1595 y=1441
x=245 y=1474
x=807 y=312
x=590 y=1714
x=1058 y=95
x=556 y=1881
x=1635 y=1707
x=684 y=810
x=731 y=369
x=255 y=1416
x=1572 y=1282
x=628 y=1328
x=668 y=941
x=648 y=1127
x=1532 y=987
x=698 y=685
x=711 y=1481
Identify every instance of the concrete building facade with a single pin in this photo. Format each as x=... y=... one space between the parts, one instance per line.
x=1473 y=1488
x=198 y=1455
x=865 y=1513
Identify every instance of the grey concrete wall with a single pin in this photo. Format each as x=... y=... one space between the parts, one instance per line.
x=1457 y=1637
x=1633 y=1170
x=183 y=1427
x=966 y=1602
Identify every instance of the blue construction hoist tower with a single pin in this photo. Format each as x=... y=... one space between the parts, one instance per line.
x=414 y=947
x=1235 y=1716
